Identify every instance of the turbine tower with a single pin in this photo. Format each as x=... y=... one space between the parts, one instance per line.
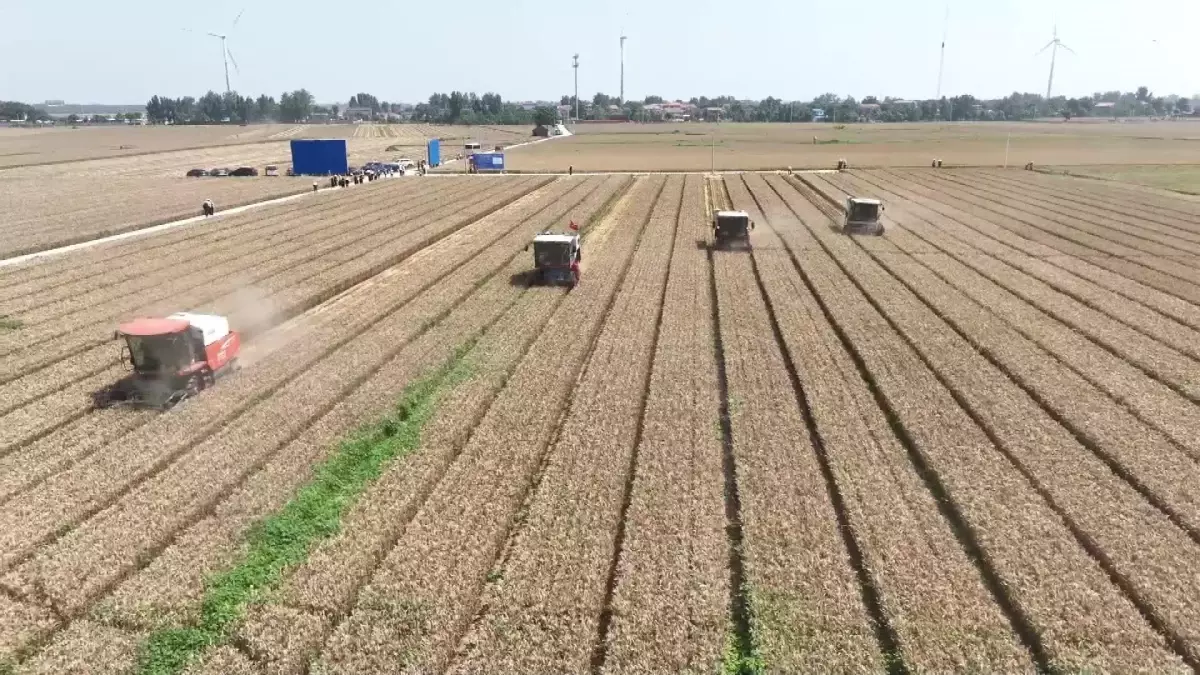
x=623 y=69
x=1055 y=43
x=575 y=65
x=942 y=59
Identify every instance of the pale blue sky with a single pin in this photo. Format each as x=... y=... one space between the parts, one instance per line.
x=88 y=52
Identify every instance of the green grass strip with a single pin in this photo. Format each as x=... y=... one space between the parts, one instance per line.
x=314 y=514
x=9 y=323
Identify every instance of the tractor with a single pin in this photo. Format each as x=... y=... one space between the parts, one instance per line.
x=171 y=359
x=863 y=215
x=731 y=226
x=556 y=258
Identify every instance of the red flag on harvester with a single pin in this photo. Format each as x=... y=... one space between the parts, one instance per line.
x=573 y=226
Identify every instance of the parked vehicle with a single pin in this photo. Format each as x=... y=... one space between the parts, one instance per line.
x=197 y=173
x=244 y=171
x=219 y=172
x=272 y=170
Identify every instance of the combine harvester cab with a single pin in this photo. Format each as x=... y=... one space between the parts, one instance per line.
x=556 y=258
x=863 y=216
x=171 y=359
x=730 y=227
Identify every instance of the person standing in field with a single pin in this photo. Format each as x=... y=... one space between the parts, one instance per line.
x=208 y=208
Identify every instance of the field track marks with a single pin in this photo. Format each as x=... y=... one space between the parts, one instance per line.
x=671 y=597
x=244 y=272
x=285 y=631
x=294 y=297
x=923 y=578
x=1107 y=518
x=1069 y=239
x=1080 y=304
x=543 y=615
x=1095 y=203
x=153 y=447
x=107 y=265
x=1042 y=577
x=1152 y=402
x=168 y=589
x=799 y=570
x=1168 y=295
x=161 y=266
x=437 y=570
x=1134 y=231
x=1172 y=206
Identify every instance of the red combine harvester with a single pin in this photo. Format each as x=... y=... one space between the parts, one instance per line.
x=171 y=359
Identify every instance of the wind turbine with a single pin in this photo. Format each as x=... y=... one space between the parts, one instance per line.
x=1055 y=43
x=942 y=59
x=226 y=55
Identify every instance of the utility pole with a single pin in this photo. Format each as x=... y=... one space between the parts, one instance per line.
x=575 y=65
x=622 y=70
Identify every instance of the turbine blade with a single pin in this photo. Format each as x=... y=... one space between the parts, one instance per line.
x=239 y=16
x=217 y=36
x=1067 y=48
x=233 y=61
x=1048 y=45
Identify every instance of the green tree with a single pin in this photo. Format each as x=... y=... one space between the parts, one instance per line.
x=544 y=116
x=295 y=106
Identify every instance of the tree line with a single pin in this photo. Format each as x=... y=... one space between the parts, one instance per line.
x=834 y=108
x=459 y=107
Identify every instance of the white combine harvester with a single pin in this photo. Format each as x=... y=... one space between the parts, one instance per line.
x=863 y=215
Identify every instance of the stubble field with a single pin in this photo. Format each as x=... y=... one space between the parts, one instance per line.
x=49 y=201
x=968 y=445
x=731 y=147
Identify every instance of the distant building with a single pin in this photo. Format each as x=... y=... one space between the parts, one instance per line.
x=358 y=113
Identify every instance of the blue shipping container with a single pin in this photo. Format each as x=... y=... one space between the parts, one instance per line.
x=320 y=157
x=488 y=161
x=434 y=153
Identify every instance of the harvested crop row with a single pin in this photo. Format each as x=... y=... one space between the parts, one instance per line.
x=89 y=326
x=1076 y=618
x=1134 y=231
x=296 y=296
x=248 y=236
x=1015 y=271
x=1069 y=240
x=110 y=545
x=85 y=267
x=1168 y=206
x=1143 y=217
x=90 y=262
x=241 y=271
x=168 y=589
x=1151 y=401
x=60 y=500
x=544 y=613
x=142 y=203
x=1166 y=294
x=1153 y=561
x=280 y=634
x=1135 y=239
x=924 y=579
x=798 y=571
x=437 y=569
x=251 y=309
x=670 y=597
